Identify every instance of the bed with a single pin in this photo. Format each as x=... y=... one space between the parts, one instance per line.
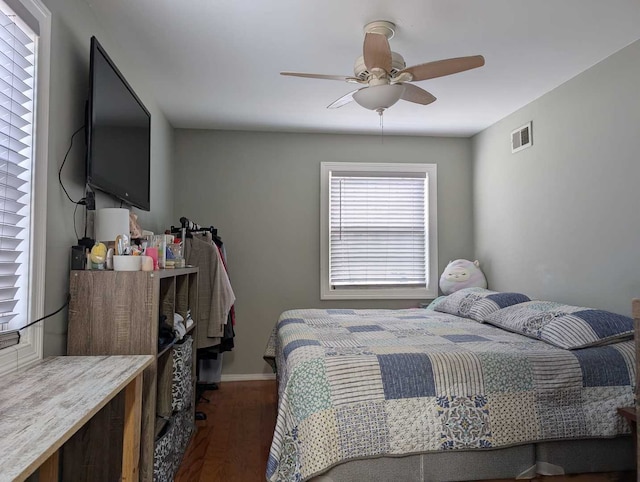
x=490 y=386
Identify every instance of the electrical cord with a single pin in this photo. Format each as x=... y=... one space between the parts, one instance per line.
x=81 y=201
x=49 y=315
x=89 y=205
x=75 y=230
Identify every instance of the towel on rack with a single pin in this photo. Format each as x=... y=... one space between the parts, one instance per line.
x=215 y=294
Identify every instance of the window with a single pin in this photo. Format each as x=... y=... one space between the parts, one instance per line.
x=378 y=231
x=24 y=70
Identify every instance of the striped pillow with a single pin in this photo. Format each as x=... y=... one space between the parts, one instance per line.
x=477 y=303
x=569 y=327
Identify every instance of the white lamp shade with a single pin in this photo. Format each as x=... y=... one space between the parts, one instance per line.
x=379 y=96
x=111 y=222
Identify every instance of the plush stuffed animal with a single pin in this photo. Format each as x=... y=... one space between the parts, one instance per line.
x=462 y=273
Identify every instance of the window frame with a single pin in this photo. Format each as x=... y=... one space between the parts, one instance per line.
x=30 y=349
x=431 y=289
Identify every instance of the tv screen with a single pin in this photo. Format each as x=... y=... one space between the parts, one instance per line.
x=118 y=134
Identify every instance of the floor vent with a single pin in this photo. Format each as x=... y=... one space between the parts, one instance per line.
x=521 y=138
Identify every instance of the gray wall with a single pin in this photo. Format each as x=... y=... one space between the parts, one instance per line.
x=561 y=219
x=262 y=190
x=73 y=24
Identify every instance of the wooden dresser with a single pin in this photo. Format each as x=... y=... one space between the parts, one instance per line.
x=117 y=313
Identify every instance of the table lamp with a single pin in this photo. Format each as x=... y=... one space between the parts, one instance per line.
x=111 y=222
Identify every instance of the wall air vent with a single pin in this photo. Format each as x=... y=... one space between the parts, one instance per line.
x=521 y=138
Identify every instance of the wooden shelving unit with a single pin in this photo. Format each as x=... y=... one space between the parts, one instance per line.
x=117 y=313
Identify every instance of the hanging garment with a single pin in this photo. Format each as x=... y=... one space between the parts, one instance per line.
x=223 y=257
x=215 y=294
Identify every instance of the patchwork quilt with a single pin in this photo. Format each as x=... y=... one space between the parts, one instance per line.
x=367 y=383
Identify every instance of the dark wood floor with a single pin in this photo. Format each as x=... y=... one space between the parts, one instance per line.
x=232 y=445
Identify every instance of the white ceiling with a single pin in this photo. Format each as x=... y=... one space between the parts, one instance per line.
x=214 y=64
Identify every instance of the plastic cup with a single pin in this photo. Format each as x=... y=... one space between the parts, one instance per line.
x=153 y=253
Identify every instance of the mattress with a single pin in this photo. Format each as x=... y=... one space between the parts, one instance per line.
x=358 y=384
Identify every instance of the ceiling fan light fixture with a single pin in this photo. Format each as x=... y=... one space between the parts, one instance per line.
x=379 y=97
x=386 y=74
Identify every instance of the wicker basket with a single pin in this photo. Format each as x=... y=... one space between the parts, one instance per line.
x=184 y=426
x=182 y=385
x=164 y=454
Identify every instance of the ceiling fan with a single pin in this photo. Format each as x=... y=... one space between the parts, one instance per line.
x=385 y=74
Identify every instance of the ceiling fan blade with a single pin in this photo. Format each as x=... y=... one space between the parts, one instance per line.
x=440 y=68
x=377 y=53
x=344 y=100
x=321 y=76
x=415 y=94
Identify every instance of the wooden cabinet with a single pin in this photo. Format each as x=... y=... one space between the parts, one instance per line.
x=117 y=313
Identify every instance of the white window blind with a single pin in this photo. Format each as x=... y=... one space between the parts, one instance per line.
x=17 y=60
x=378 y=235
x=378 y=230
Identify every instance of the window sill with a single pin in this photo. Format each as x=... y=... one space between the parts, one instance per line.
x=378 y=294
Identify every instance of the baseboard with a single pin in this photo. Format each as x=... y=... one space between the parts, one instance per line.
x=246 y=377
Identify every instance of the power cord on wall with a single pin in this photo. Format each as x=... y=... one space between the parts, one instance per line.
x=81 y=202
x=88 y=200
x=18 y=330
x=49 y=315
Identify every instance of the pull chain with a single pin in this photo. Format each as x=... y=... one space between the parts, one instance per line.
x=380 y=112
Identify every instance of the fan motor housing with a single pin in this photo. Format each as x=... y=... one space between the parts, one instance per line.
x=397 y=64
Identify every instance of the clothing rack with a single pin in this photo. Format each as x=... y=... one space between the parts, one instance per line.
x=188 y=228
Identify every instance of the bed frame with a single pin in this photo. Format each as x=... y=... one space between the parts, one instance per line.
x=523 y=462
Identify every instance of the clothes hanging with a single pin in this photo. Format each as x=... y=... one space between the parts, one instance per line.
x=215 y=294
x=223 y=257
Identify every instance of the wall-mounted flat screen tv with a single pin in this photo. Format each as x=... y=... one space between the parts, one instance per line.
x=118 y=134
